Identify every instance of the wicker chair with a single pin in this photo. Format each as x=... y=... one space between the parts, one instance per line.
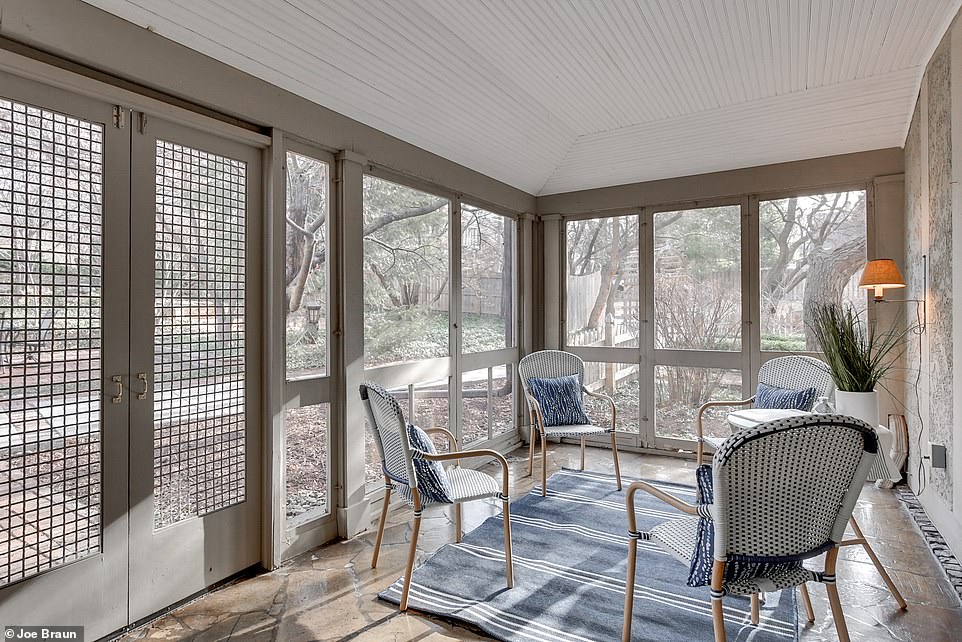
x=793 y=507
x=397 y=462
x=794 y=371
x=552 y=364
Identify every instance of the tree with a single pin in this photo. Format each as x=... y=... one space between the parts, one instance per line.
x=818 y=241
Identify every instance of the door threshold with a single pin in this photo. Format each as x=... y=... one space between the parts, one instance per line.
x=240 y=576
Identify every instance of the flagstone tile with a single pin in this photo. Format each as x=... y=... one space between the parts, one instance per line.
x=330 y=593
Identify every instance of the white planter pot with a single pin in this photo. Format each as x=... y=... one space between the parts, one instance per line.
x=861 y=405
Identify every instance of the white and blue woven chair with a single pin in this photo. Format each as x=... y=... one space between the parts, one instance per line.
x=551 y=364
x=793 y=372
x=796 y=372
x=783 y=492
x=397 y=462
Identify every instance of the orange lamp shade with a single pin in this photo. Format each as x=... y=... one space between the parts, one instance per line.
x=880 y=274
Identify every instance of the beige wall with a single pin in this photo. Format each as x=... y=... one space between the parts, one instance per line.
x=933 y=263
x=832 y=171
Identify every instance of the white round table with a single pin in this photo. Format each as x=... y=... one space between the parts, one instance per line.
x=883 y=472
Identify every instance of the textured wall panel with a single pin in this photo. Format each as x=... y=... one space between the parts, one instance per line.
x=940 y=257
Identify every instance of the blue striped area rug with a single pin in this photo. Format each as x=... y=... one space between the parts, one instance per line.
x=570 y=558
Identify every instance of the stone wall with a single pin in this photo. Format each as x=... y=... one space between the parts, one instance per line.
x=931 y=185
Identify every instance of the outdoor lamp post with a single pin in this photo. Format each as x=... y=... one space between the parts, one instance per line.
x=313 y=319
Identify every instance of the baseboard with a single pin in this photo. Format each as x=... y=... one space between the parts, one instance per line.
x=948 y=523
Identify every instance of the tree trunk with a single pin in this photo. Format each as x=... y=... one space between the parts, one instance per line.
x=828 y=273
x=607 y=275
x=507 y=282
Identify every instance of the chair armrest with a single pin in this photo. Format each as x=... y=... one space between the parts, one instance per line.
x=467 y=454
x=535 y=409
x=611 y=402
x=717 y=404
x=668 y=498
x=452 y=440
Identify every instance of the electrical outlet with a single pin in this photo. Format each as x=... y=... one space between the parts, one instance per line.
x=938 y=456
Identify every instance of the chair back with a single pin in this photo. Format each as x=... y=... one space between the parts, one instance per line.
x=798 y=371
x=550 y=364
x=386 y=418
x=785 y=489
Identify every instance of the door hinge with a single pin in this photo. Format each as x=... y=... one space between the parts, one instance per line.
x=120 y=117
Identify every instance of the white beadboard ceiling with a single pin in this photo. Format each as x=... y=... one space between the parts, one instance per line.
x=561 y=95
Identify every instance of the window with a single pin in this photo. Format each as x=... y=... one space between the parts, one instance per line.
x=306 y=273
x=406 y=274
x=698 y=279
x=621 y=382
x=602 y=282
x=487 y=403
x=811 y=250
x=307 y=460
x=487 y=280
x=681 y=390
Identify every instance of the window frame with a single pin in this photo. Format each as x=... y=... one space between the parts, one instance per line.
x=750 y=357
x=410 y=374
x=291 y=537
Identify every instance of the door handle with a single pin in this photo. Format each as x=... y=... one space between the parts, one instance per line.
x=143 y=393
x=119 y=380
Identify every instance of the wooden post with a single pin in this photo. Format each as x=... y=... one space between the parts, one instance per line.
x=609 y=342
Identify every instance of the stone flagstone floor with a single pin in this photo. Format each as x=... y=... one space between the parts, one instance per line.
x=331 y=593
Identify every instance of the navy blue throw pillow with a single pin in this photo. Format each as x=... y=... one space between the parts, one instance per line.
x=770 y=397
x=699 y=571
x=703 y=557
x=433 y=482
x=560 y=400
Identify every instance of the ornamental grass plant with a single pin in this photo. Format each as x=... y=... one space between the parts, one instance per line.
x=858 y=353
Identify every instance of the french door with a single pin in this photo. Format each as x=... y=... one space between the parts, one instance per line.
x=129 y=352
x=194 y=362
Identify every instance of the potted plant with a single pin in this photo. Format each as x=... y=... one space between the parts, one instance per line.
x=858 y=354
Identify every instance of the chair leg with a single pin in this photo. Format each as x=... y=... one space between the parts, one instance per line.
x=457 y=523
x=841 y=629
x=614 y=454
x=807 y=601
x=755 y=609
x=893 y=589
x=582 y=452
x=531 y=451
x=380 y=526
x=717 y=612
x=412 y=553
x=544 y=465
x=508 y=565
x=629 y=589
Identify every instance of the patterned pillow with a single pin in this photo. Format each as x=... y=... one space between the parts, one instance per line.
x=560 y=400
x=433 y=482
x=703 y=557
x=784 y=398
x=699 y=571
